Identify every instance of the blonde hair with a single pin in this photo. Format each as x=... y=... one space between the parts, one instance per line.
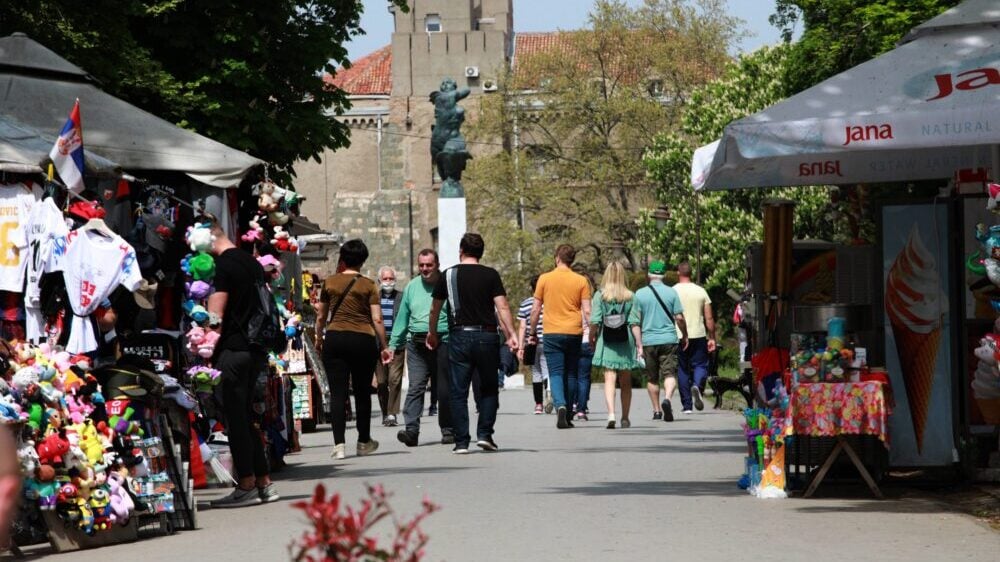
x=613 y=288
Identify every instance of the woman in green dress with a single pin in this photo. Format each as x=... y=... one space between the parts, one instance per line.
x=615 y=317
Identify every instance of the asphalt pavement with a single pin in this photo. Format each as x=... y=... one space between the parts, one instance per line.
x=655 y=491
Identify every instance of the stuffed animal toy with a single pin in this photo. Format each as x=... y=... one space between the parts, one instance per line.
x=293 y=327
x=89 y=442
x=28 y=457
x=207 y=347
x=994 y=192
x=43 y=487
x=195 y=338
x=204 y=378
x=277 y=218
x=86 y=523
x=100 y=505
x=270 y=264
x=266 y=201
x=54 y=420
x=198 y=290
x=199 y=314
x=10 y=410
x=256 y=232
x=200 y=238
x=281 y=239
x=121 y=502
x=201 y=267
x=52 y=449
x=25 y=377
x=195 y=311
x=78 y=409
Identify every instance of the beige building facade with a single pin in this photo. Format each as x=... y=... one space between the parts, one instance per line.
x=382 y=188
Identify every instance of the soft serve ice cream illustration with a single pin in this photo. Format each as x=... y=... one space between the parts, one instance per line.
x=915 y=305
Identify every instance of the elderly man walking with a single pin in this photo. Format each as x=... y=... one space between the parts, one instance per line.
x=663 y=328
x=389 y=375
x=693 y=361
x=565 y=295
x=411 y=325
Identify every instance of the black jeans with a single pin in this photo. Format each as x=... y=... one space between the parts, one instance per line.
x=240 y=370
x=424 y=366
x=350 y=355
x=467 y=353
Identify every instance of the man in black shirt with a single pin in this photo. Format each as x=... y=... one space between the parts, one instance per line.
x=476 y=299
x=237 y=274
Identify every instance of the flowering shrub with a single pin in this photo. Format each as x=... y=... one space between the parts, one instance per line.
x=346 y=535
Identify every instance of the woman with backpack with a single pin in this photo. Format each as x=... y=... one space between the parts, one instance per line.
x=351 y=309
x=614 y=328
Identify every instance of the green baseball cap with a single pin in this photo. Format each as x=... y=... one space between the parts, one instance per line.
x=657 y=267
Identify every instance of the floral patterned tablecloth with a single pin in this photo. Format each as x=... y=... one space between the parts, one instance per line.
x=830 y=409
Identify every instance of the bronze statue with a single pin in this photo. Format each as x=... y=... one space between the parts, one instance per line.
x=448 y=150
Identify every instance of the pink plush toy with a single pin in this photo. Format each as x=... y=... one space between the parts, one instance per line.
x=78 y=410
x=207 y=347
x=121 y=503
x=195 y=338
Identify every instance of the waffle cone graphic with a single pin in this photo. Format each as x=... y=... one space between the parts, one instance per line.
x=917 y=357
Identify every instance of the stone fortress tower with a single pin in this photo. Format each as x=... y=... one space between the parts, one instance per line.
x=383 y=188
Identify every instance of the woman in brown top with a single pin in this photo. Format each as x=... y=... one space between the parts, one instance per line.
x=349 y=305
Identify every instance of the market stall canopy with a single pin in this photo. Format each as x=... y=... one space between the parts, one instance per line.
x=38 y=88
x=927 y=108
x=24 y=150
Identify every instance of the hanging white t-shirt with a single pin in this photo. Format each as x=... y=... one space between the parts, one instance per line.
x=46 y=233
x=16 y=200
x=94 y=266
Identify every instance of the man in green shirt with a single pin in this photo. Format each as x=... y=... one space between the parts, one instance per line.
x=410 y=327
x=663 y=328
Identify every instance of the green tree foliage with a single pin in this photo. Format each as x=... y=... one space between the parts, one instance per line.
x=575 y=120
x=727 y=221
x=244 y=72
x=840 y=34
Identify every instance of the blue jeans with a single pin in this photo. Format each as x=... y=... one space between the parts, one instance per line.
x=583 y=377
x=692 y=368
x=562 y=355
x=469 y=352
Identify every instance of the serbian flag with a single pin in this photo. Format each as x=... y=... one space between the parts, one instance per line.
x=67 y=154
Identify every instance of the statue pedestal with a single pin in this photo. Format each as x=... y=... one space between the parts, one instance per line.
x=451 y=228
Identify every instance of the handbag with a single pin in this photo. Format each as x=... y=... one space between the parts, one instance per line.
x=614 y=327
x=530 y=351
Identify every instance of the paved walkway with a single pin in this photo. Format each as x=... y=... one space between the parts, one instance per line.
x=653 y=492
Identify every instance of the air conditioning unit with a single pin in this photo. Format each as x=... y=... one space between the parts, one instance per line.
x=489 y=85
x=472 y=72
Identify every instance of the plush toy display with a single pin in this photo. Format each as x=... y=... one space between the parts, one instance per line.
x=52 y=449
x=266 y=201
x=200 y=238
x=256 y=232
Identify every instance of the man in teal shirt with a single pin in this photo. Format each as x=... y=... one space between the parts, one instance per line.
x=410 y=327
x=662 y=321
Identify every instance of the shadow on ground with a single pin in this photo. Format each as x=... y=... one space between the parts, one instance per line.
x=647 y=488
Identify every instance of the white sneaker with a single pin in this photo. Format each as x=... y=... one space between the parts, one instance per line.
x=338 y=452
x=687 y=412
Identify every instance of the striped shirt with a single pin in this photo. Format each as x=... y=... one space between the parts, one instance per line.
x=387 y=304
x=524 y=313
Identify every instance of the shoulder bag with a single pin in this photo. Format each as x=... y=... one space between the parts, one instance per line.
x=614 y=326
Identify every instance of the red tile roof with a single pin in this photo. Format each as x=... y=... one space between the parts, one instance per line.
x=369 y=75
x=529 y=45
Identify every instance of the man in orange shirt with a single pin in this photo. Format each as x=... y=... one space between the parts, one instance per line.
x=566 y=297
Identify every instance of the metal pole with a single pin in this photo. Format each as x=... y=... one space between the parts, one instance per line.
x=697 y=223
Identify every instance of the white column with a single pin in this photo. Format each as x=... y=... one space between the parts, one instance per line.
x=451 y=228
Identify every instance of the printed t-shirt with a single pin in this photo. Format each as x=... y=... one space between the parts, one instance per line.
x=657 y=326
x=694 y=299
x=46 y=233
x=562 y=291
x=477 y=286
x=94 y=266
x=355 y=313
x=237 y=274
x=16 y=201
x=524 y=313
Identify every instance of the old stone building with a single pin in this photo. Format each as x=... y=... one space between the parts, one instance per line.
x=382 y=188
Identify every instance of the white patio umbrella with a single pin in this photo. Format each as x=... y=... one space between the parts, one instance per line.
x=927 y=108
